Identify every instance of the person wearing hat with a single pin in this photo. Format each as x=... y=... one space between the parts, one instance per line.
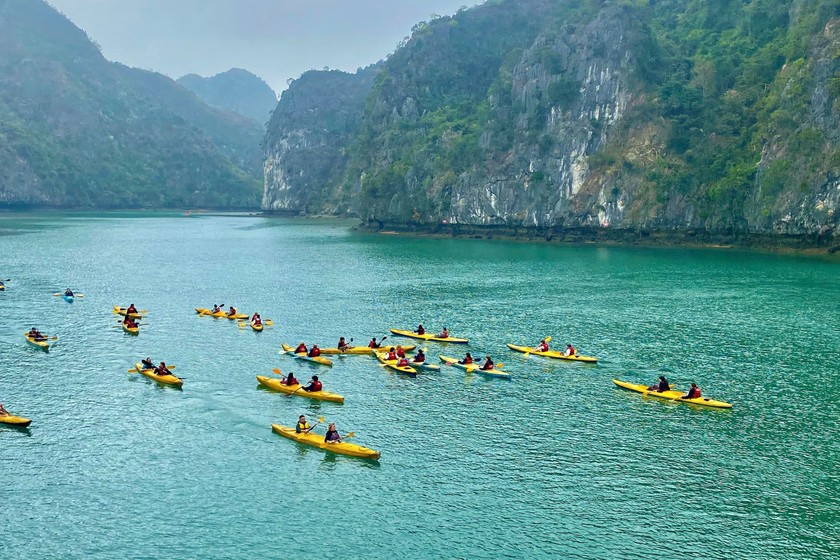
x=693 y=392
x=661 y=386
x=488 y=363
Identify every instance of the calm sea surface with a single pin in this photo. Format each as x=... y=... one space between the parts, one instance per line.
x=557 y=463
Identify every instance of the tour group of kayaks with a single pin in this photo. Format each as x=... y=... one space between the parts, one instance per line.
x=396 y=358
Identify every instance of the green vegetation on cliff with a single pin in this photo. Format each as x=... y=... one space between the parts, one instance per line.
x=236 y=90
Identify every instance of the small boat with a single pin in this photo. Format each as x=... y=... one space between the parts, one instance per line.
x=363 y=350
x=553 y=354
x=68 y=299
x=16 y=421
x=430 y=337
x=42 y=344
x=392 y=364
x=673 y=396
x=131 y=330
x=275 y=385
x=425 y=366
x=317 y=440
x=302 y=356
x=163 y=379
x=475 y=368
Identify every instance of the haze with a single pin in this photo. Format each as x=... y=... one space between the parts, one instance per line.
x=275 y=39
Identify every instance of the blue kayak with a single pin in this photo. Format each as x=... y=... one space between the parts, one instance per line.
x=69 y=299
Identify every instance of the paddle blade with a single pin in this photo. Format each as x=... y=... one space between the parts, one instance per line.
x=351 y=434
x=499 y=366
x=277 y=371
x=268 y=322
x=132 y=370
x=320 y=419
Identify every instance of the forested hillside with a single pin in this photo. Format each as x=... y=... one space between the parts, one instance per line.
x=702 y=117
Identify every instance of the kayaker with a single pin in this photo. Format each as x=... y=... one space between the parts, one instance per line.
x=301 y=349
x=314 y=385
x=468 y=359
x=68 y=292
x=332 y=434
x=488 y=363
x=147 y=363
x=373 y=343
x=3 y=411
x=232 y=311
x=660 y=386
x=216 y=308
x=35 y=334
x=400 y=352
x=162 y=369
x=542 y=346
x=693 y=392
x=302 y=426
x=342 y=344
x=570 y=350
x=256 y=319
x=419 y=358
x=392 y=354
x=403 y=362
x=420 y=330
x=130 y=323
x=443 y=334
x=290 y=380
x=130 y=309
x=314 y=352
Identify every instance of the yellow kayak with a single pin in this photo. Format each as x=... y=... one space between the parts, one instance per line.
x=431 y=337
x=275 y=385
x=121 y=311
x=42 y=344
x=316 y=359
x=317 y=440
x=553 y=354
x=220 y=314
x=131 y=330
x=670 y=395
x=164 y=379
x=258 y=327
x=392 y=364
x=475 y=368
x=364 y=350
x=17 y=421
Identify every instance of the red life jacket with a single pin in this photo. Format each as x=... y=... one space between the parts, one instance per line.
x=401 y=353
x=468 y=360
x=372 y=345
x=402 y=363
x=392 y=356
x=316 y=385
x=300 y=349
x=314 y=352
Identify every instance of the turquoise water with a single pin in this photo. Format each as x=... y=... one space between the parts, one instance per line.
x=557 y=463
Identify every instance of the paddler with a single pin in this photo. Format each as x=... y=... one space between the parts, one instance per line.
x=443 y=334
x=313 y=385
x=660 y=386
x=301 y=349
x=420 y=330
x=314 y=352
x=488 y=363
x=392 y=354
x=400 y=352
x=542 y=346
x=290 y=380
x=419 y=358
x=468 y=359
x=373 y=343
x=256 y=319
x=130 y=309
x=570 y=350
x=232 y=311
x=342 y=344
x=302 y=426
x=162 y=369
x=35 y=334
x=332 y=434
x=147 y=363
x=403 y=362
x=129 y=322
x=3 y=411
x=68 y=292
x=216 y=308
x=693 y=392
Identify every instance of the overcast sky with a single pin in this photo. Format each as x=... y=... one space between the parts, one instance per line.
x=275 y=39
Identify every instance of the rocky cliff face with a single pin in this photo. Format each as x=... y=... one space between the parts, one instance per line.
x=307 y=139
x=616 y=118
x=236 y=90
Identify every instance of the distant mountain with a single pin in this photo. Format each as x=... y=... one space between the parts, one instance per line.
x=236 y=90
x=79 y=131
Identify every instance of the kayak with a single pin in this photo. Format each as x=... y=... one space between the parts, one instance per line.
x=131 y=330
x=220 y=314
x=164 y=379
x=362 y=350
x=69 y=299
x=317 y=440
x=670 y=395
x=316 y=359
x=275 y=385
x=257 y=327
x=392 y=364
x=475 y=368
x=17 y=421
x=416 y=365
x=121 y=311
x=430 y=337
x=553 y=354
x=42 y=344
